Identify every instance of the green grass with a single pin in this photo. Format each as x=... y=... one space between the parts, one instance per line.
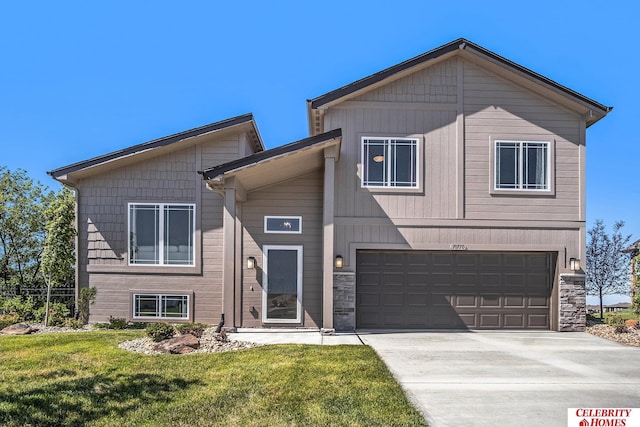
x=79 y=379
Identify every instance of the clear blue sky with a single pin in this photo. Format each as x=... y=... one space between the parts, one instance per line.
x=83 y=78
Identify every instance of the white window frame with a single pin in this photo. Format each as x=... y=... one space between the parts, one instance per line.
x=388 y=182
x=161 y=297
x=268 y=217
x=522 y=166
x=161 y=228
x=265 y=282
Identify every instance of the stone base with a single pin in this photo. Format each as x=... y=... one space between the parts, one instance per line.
x=344 y=301
x=573 y=303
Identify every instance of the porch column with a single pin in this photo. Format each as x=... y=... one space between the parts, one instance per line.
x=330 y=155
x=228 y=257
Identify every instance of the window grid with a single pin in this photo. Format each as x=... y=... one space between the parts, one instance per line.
x=529 y=169
x=393 y=171
x=161 y=306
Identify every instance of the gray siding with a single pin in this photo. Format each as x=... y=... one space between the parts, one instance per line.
x=457 y=109
x=103 y=220
x=299 y=197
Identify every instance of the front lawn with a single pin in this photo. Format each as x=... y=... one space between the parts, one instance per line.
x=84 y=379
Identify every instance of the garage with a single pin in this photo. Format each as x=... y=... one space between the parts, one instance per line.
x=454 y=289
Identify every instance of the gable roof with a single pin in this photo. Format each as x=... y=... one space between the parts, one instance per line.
x=62 y=174
x=277 y=164
x=459 y=46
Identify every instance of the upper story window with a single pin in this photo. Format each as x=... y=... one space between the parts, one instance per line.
x=522 y=165
x=161 y=234
x=283 y=224
x=389 y=162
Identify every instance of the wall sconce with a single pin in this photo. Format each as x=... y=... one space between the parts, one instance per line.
x=378 y=159
x=574 y=264
x=338 y=262
x=251 y=263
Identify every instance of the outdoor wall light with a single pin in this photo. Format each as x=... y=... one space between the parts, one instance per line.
x=574 y=264
x=378 y=159
x=251 y=263
x=338 y=263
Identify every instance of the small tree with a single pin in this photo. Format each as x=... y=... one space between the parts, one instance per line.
x=58 y=256
x=606 y=264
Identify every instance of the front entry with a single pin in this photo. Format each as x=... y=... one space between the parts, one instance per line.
x=282 y=284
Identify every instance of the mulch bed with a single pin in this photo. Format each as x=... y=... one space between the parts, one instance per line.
x=631 y=337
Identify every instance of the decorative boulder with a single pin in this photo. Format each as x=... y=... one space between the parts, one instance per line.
x=18 y=329
x=179 y=345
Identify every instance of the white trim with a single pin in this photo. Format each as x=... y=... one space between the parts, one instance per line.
x=267 y=217
x=265 y=282
x=520 y=169
x=161 y=209
x=161 y=296
x=387 y=147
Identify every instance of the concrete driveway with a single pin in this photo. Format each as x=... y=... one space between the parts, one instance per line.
x=508 y=378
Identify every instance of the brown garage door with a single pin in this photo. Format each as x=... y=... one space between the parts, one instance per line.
x=452 y=290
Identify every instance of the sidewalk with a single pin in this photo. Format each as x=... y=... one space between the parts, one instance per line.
x=294 y=336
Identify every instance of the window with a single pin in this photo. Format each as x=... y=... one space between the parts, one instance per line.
x=283 y=224
x=160 y=306
x=390 y=162
x=161 y=234
x=521 y=165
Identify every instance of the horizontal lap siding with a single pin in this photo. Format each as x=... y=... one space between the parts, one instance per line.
x=299 y=197
x=103 y=226
x=495 y=108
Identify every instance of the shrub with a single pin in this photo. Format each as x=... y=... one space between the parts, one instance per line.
x=117 y=323
x=195 y=329
x=87 y=296
x=58 y=314
x=614 y=319
x=100 y=325
x=136 y=325
x=8 y=319
x=24 y=308
x=74 y=323
x=631 y=323
x=635 y=303
x=159 y=331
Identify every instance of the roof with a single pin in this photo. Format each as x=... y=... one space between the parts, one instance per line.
x=273 y=153
x=271 y=167
x=459 y=45
x=245 y=119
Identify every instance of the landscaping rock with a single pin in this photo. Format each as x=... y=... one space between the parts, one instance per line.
x=178 y=344
x=18 y=329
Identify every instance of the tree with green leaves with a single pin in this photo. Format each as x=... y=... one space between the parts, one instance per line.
x=23 y=203
x=58 y=256
x=607 y=266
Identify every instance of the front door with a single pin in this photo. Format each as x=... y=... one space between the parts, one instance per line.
x=282 y=284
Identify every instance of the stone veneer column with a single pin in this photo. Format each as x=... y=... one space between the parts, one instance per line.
x=344 y=301
x=573 y=303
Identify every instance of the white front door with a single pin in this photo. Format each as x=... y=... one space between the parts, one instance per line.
x=282 y=284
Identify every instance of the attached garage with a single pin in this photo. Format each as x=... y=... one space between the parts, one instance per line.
x=454 y=290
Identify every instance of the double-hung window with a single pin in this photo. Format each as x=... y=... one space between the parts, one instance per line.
x=389 y=162
x=161 y=234
x=522 y=165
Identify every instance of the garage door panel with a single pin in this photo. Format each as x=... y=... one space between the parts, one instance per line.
x=516 y=321
x=466 y=301
x=489 y=321
x=514 y=301
x=393 y=299
x=475 y=290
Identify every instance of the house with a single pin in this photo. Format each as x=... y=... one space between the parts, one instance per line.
x=447 y=191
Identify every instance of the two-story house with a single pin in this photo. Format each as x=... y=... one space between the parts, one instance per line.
x=446 y=192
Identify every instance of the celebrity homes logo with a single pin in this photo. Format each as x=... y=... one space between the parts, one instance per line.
x=603 y=417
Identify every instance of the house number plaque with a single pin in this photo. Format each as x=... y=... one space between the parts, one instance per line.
x=459 y=247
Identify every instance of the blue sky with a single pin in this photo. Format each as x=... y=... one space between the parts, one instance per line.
x=79 y=79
